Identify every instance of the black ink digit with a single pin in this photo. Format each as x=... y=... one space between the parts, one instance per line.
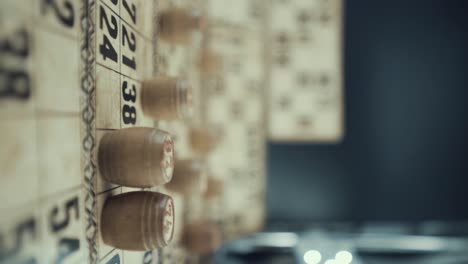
x=107 y=50
x=131 y=12
x=67 y=246
x=131 y=40
x=129 y=94
x=14 y=84
x=70 y=205
x=113 y=30
x=28 y=226
x=17 y=44
x=148 y=257
x=114 y=260
x=129 y=62
x=129 y=114
x=66 y=16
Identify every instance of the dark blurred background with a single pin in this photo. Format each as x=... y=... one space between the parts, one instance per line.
x=404 y=155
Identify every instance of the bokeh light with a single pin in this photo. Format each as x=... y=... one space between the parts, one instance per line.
x=312 y=257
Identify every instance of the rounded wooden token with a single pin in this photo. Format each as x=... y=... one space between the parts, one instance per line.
x=136 y=157
x=166 y=98
x=138 y=221
x=176 y=24
x=202 y=237
x=209 y=62
x=203 y=139
x=214 y=188
x=188 y=178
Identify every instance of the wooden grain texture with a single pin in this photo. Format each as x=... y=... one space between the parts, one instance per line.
x=138 y=221
x=136 y=157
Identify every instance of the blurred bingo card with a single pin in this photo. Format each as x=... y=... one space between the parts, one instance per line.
x=42 y=203
x=305 y=71
x=233 y=102
x=70 y=71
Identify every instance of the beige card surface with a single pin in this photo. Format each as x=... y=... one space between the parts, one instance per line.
x=305 y=71
x=246 y=14
x=234 y=102
x=40 y=170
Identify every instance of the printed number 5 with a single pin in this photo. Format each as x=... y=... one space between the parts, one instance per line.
x=70 y=205
x=66 y=246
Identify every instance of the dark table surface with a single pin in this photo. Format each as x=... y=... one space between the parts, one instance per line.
x=371 y=244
